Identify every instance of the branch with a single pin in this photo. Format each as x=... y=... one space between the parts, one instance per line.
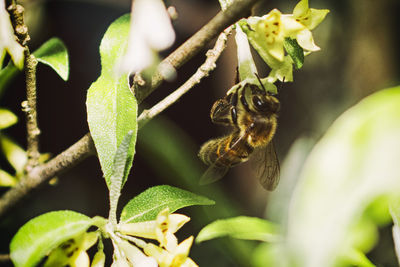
x=203 y=71
x=85 y=147
x=5 y=258
x=42 y=173
x=237 y=10
x=29 y=106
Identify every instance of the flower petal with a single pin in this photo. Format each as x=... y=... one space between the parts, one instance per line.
x=306 y=41
x=182 y=251
x=139 y=229
x=154 y=22
x=301 y=9
x=316 y=17
x=135 y=256
x=282 y=71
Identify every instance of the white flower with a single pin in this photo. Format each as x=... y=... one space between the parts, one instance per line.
x=151 y=31
x=7 y=39
x=162 y=229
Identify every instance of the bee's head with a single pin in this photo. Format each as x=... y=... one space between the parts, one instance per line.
x=265 y=103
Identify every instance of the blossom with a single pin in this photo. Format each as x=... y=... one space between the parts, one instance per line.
x=151 y=31
x=135 y=256
x=73 y=252
x=309 y=17
x=162 y=229
x=172 y=258
x=269 y=31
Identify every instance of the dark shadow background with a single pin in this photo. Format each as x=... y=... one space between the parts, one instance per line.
x=359 y=56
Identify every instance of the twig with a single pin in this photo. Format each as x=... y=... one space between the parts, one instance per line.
x=203 y=71
x=40 y=174
x=4 y=258
x=84 y=147
x=30 y=109
x=29 y=106
x=238 y=9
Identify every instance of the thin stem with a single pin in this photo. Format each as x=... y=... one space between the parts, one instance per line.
x=4 y=258
x=85 y=147
x=203 y=71
x=29 y=106
x=42 y=173
x=30 y=109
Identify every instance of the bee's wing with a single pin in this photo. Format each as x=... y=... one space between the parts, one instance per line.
x=267 y=166
x=213 y=174
x=217 y=170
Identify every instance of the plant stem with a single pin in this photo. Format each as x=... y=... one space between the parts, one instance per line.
x=85 y=147
x=30 y=109
x=203 y=71
x=42 y=173
x=197 y=42
x=29 y=106
x=4 y=258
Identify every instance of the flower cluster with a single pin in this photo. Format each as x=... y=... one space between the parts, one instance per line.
x=168 y=253
x=268 y=34
x=73 y=252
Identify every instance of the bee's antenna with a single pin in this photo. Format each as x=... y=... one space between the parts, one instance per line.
x=258 y=78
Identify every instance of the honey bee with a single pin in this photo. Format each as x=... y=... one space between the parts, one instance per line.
x=252 y=113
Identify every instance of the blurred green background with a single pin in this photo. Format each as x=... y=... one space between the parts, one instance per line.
x=358 y=56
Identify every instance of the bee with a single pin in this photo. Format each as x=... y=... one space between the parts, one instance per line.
x=252 y=112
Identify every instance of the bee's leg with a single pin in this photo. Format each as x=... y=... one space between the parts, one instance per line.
x=221 y=112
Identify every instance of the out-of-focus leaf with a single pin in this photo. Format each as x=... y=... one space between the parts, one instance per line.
x=54 y=53
x=6 y=75
x=6 y=179
x=39 y=236
x=147 y=205
x=356 y=258
x=242 y=227
x=295 y=52
x=354 y=163
x=112 y=108
x=163 y=143
x=7 y=118
x=267 y=254
x=15 y=155
x=279 y=202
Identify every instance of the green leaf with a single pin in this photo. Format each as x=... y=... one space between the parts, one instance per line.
x=54 y=54
x=356 y=258
x=15 y=155
x=295 y=52
x=6 y=75
x=149 y=203
x=7 y=118
x=118 y=173
x=112 y=108
x=242 y=227
x=39 y=236
x=354 y=164
x=7 y=179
